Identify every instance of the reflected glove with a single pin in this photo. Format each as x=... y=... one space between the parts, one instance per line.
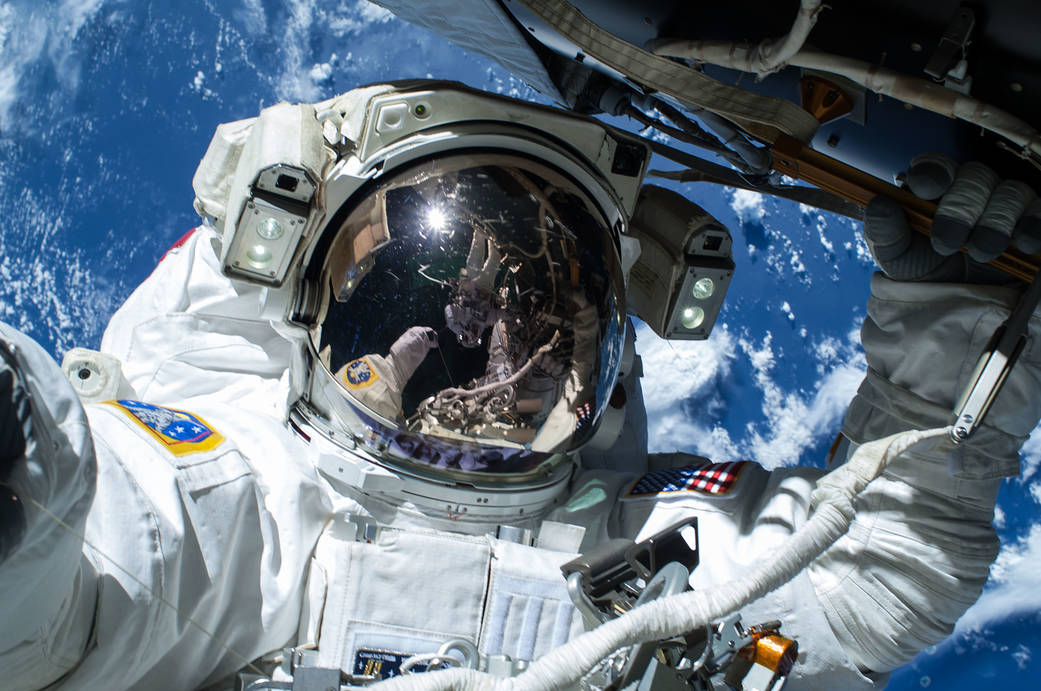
x=15 y=428
x=408 y=352
x=976 y=210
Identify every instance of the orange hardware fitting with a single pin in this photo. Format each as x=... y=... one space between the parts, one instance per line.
x=776 y=652
x=823 y=99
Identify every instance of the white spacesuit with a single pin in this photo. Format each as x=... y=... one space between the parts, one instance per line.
x=224 y=495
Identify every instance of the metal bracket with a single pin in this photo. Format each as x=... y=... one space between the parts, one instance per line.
x=953 y=43
x=302 y=667
x=994 y=365
x=644 y=671
x=606 y=568
x=728 y=637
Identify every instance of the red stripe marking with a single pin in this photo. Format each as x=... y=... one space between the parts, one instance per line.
x=184 y=239
x=179 y=243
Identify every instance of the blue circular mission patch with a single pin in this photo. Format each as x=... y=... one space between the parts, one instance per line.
x=359 y=373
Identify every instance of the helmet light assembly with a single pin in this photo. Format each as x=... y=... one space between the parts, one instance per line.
x=680 y=279
x=271 y=225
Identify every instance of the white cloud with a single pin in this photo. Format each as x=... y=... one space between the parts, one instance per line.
x=360 y=16
x=686 y=372
x=796 y=263
x=294 y=82
x=373 y=14
x=795 y=421
x=682 y=382
x=198 y=85
x=321 y=71
x=826 y=242
x=1014 y=587
x=1021 y=656
x=857 y=246
x=75 y=13
x=6 y=25
x=252 y=17
x=35 y=33
x=8 y=92
x=300 y=78
x=675 y=371
x=782 y=256
x=39 y=274
x=748 y=205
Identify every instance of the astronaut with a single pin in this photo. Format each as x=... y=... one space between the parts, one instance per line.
x=220 y=499
x=472 y=309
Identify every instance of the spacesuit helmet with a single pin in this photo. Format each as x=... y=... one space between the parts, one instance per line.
x=455 y=259
x=474 y=314
x=471 y=315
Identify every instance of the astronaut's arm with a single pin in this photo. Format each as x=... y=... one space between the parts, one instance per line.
x=919 y=550
x=378 y=381
x=408 y=352
x=125 y=564
x=47 y=478
x=920 y=547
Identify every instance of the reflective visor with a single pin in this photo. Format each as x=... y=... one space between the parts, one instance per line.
x=474 y=314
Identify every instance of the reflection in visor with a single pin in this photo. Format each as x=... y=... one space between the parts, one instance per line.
x=506 y=269
x=434 y=452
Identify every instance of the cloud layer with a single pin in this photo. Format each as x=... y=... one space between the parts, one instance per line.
x=684 y=385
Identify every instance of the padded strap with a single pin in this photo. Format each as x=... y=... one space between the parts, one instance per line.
x=669 y=77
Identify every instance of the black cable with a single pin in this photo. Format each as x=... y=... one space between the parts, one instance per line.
x=708 y=143
x=699 y=170
x=678 y=118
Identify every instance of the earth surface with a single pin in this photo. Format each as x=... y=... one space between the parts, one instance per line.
x=106 y=107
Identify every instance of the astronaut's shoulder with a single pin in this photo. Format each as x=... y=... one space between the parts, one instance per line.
x=200 y=444
x=361 y=372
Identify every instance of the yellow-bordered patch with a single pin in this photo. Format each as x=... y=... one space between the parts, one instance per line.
x=179 y=431
x=359 y=373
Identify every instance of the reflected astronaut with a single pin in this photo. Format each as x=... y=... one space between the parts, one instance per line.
x=273 y=479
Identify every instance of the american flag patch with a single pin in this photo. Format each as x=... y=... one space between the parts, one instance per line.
x=707 y=478
x=583 y=416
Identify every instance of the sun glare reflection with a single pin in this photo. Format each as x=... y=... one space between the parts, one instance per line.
x=436 y=219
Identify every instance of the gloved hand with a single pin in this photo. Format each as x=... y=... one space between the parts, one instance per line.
x=922 y=339
x=977 y=211
x=15 y=421
x=407 y=353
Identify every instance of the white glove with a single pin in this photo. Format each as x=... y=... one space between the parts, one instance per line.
x=408 y=352
x=922 y=339
x=977 y=211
